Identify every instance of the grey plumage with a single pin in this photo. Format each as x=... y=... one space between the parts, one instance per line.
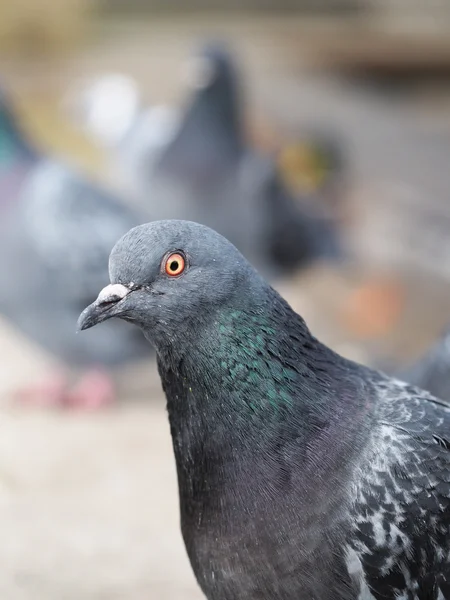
x=56 y=232
x=302 y=475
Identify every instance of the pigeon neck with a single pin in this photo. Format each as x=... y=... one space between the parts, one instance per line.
x=208 y=141
x=254 y=375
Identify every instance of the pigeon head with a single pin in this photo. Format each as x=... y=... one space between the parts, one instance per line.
x=209 y=137
x=215 y=102
x=170 y=277
x=211 y=69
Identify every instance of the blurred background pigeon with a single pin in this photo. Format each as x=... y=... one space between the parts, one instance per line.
x=208 y=173
x=56 y=231
x=431 y=371
x=264 y=416
x=198 y=165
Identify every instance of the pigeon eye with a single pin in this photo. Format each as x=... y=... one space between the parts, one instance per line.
x=174 y=264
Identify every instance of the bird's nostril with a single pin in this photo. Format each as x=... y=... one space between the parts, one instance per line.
x=109 y=301
x=112 y=294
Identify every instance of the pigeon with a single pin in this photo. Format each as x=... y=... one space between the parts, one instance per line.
x=302 y=475
x=109 y=110
x=56 y=232
x=431 y=372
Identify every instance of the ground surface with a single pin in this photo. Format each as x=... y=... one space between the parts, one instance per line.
x=89 y=508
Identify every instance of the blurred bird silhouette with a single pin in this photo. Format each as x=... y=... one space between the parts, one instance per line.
x=204 y=171
x=109 y=110
x=56 y=232
x=431 y=371
x=208 y=173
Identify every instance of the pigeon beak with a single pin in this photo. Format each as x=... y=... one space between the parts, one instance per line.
x=104 y=307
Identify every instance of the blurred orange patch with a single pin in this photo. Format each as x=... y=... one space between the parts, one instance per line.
x=374 y=308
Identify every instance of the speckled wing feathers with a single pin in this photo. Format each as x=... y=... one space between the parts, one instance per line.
x=401 y=513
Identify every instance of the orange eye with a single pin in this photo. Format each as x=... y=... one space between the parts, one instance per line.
x=175 y=264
